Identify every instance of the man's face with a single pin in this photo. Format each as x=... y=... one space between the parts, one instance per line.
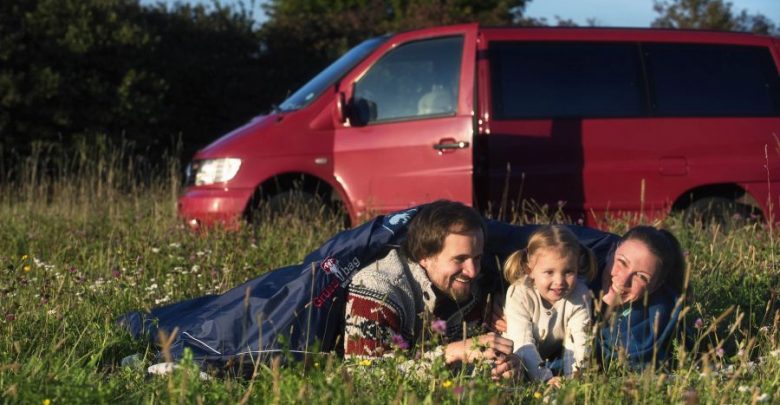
x=454 y=269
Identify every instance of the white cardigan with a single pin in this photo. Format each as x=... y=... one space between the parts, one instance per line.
x=540 y=333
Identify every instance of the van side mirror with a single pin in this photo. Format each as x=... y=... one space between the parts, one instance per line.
x=361 y=111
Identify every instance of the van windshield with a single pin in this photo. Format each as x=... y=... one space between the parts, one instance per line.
x=327 y=77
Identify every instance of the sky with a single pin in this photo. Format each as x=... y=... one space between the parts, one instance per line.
x=615 y=13
x=629 y=13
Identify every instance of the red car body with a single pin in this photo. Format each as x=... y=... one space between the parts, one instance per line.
x=594 y=165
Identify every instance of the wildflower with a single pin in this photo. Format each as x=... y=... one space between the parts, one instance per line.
x=439 y=326
x=446 y=383
x=764 y=329
x=24 y=257
x=116 y=273
x=51 y=312
x=27 y=268
x=698 y=323
x=317 y=365
x=10 y=317
x=400 y=342
x=155 y=250
x=720 y=352
x=763 y=397
x=365 y=362
x=47 y=401
x=458 y=390
x=538 y=395
x=743 y=388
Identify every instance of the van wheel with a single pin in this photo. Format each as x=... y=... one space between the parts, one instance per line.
x=299 y=205
x=720 y=211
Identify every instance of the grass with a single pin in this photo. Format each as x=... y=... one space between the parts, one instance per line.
x=85 y=238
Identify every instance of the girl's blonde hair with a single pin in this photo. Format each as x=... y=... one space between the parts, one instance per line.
x=550 y=237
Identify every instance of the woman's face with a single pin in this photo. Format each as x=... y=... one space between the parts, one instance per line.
x=634 y=271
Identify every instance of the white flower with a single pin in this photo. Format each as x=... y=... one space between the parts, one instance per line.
x=175 y=245
x=200 y=253
x=743 y=388
x=155 y=250
x=195 y=268
x=763 y=397
x=51 y=312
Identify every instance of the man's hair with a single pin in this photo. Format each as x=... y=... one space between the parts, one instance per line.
x=429 y=228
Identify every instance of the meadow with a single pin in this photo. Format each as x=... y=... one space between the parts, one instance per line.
x=89 y=234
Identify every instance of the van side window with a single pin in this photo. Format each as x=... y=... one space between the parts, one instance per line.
x=573 y=79
x=417 y=79
x=712 y=80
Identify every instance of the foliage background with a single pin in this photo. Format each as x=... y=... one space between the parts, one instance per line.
x=71 y=70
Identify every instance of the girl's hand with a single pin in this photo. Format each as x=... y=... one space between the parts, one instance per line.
x=554 y=382
x=506 y=368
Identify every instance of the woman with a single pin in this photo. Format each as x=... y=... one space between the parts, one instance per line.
x=641 y=289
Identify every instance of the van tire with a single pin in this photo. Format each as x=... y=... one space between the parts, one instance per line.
x=299 y=205
x=720 y=211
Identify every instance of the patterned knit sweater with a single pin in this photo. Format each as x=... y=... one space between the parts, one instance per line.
x=390 y=301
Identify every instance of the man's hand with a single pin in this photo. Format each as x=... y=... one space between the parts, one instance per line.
x=490 y=346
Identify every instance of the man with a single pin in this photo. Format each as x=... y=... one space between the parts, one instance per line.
x=433 y=278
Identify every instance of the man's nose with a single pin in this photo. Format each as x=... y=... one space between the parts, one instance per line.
x=470 y=268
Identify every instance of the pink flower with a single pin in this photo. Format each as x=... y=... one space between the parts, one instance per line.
x=400 y=342
x=457 y=390
x=698 y=323
x=439 y=326
x=720 y=352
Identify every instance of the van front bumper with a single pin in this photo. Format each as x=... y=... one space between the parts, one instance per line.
x=208 y=207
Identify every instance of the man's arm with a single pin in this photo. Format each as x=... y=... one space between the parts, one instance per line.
x=372 y=327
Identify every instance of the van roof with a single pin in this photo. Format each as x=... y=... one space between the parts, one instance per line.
x=622 y=34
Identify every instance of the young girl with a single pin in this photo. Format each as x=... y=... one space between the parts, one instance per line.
x=548 y=304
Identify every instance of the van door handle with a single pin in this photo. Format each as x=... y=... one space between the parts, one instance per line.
x=449 y=144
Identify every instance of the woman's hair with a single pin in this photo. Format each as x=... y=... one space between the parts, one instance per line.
x=668 y=253
x=550 y=237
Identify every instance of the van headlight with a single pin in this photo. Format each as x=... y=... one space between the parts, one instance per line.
x=210 y=171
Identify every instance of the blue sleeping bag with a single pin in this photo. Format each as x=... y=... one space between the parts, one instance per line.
x=299 y=309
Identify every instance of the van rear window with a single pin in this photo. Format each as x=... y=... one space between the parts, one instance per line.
x=551 y=80
x=712 y=80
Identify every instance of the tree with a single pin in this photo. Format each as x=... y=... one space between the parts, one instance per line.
x=709 y=14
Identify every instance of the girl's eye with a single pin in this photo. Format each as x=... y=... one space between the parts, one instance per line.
x=642 y=277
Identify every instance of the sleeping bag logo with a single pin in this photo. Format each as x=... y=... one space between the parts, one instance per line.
x=330 y=265
x=394 y=221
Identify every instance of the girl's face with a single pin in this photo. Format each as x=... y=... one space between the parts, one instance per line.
x=554 y=274
x=634 y=271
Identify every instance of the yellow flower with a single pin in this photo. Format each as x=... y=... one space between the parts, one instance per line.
x=47 y=401
x=446 y=383
x=27 y=268
x=365 y=362
x=538 y=395
x=24 y=257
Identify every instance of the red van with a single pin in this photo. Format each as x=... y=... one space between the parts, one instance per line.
x=598 y=120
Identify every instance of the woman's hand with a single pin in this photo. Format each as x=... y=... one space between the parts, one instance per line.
x=497 y=320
